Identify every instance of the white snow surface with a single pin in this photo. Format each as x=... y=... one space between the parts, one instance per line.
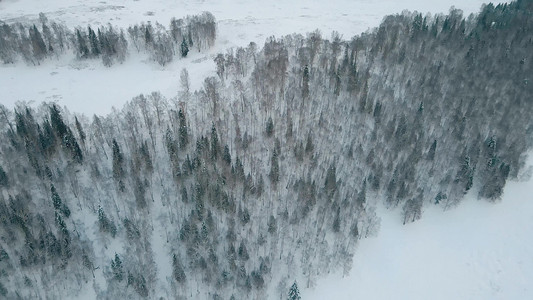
x=89 y=87
x=477 y=251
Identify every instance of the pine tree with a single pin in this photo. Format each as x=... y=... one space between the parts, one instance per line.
x=38 y=45
x=83 y=50
x=105 y=224
x=178 y=272
x=270 y=127
x=305 y=83
x=337 y=221
x=243 y=252
x=226 y=156
x=93 y=41
x=72 y=145
x=118 y=160
x=56 y=200
x=294 y=293
x=272 y=225
x=183 y=131
x=116 y=268
x=274 y=168
x=214 y=143
x=57 y=123
x=330 y=183
x=184 y=48
x=4 y=181
x=309 y=147
x=118 y=165
x=148 y=39
x=81 y=132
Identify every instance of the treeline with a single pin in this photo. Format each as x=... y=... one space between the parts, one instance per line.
x=37 y=42
x=270 y=172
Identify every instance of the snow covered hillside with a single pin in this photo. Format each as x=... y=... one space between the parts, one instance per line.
x=91 y=88
x=478 y=250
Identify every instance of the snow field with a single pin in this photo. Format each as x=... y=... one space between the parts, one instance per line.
x=478 y=250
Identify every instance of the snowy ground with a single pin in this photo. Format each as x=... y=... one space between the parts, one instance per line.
x=478 y=250
x=90 y=88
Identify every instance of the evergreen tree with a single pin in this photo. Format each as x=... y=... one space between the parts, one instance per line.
x=56 y=200
x=226 y=156
x=432 y=150
x=183 y=130
x=81 y=132
x=38 y=45
x=93 y=41
x=118 y=161
x=148 y=39
x=4 y=180
x=72 y=145
x=184 y=48
x=272 y=225
x=178 y=272
x=309 y=146
x=337 y=221
x=214 y=143
x=116 y=268
x=274 y=168
x=57 y=123
x=305 y=83
x=270 y=127
x=294 y=293
x=330 y=183
x=243 y=252
x=118 y=165
x=65 y=135
x=105 y=224
x=83 y=50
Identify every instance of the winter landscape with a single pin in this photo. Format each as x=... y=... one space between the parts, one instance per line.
x=266 y=150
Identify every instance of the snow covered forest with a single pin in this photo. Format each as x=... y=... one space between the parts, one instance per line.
x=36 y=42
x=272 y=170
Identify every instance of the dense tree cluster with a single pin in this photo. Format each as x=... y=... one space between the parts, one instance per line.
x=193 y=32
x=36 y=42
x=275 y=164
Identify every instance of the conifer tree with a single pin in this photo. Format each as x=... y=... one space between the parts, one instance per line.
x=83 y=50
x=305 y=83
x=178 y=272
x=330 y=183
x=93 y=41
x=184 y=48
x=4 y=180
x=116 y=268
x=183 y=130
x=38 y=45
x=118 y=165
x=81 y=132
x=226 y=156
x=274 y=168
x=270 y=127
x=214 y=143
x=294 y=293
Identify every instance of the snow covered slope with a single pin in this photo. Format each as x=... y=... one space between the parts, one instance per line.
x=91 y=88
x=478 y=250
